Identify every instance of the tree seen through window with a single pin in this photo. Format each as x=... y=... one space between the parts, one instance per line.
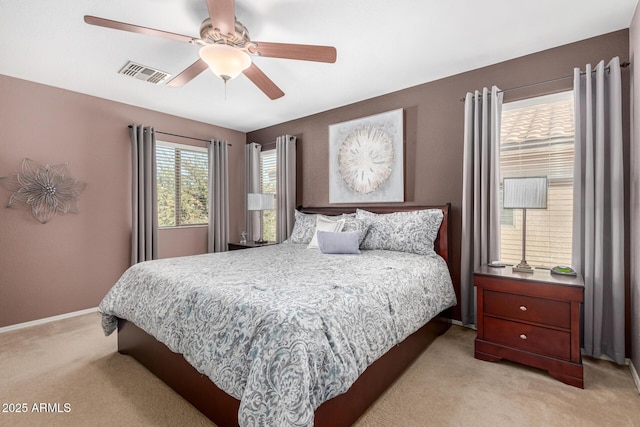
x=182 y=175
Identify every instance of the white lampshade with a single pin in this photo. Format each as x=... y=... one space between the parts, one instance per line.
x=260 y=202
x=226 y=62
x=525 y=193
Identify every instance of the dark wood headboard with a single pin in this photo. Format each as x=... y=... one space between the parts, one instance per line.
x=441 y=245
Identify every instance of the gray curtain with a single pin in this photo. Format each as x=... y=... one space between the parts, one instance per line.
x=286 y=186
x=598 y=207
x=218 y=236
x=252 y=184
x=480 y=191
x=144 y=194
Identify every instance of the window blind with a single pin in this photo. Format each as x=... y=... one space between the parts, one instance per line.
x=182 y=176
x=537 y=139
x=268 y=172
x=166 y=178
x=268 y=186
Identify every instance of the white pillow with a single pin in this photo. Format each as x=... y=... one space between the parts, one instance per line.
x=325 y=224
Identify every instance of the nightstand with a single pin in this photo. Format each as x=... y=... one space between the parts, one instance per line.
x=236 y=246
x=533 y=319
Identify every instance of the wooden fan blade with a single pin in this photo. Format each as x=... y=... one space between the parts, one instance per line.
x=189 y=74
x=304 y=52
x=263 y=82
x=222 y=14
x=117 y=25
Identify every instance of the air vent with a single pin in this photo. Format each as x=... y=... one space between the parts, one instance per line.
x=144 y=73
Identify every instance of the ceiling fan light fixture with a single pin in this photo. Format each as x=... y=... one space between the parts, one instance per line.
x=226 y=62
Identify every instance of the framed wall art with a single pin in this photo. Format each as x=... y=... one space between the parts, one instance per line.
x=366 y=159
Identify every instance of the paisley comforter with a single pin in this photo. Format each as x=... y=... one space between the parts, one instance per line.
x=282 y=328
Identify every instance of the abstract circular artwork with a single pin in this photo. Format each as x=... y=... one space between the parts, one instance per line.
x=45 y=190
x=365 y=159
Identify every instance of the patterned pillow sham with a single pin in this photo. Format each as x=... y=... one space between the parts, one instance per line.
x=351 y=223
x=303 y=229
x=412 y=231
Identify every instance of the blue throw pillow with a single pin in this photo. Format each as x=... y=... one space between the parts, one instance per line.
x=339 y=243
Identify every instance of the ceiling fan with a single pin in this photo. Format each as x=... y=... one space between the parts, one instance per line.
x=227 y=49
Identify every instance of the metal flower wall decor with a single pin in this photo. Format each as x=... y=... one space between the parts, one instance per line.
x=45 y=190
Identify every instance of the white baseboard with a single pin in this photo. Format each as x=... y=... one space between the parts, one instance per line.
x=47 y=320
x=634 y=375
x=456 y=322
x=459 y=323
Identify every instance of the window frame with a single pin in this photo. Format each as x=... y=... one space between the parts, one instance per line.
x=177 y=193
x=270 y=151
x=555 y=183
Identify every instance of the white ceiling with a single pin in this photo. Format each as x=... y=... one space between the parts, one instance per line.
x=383 y=46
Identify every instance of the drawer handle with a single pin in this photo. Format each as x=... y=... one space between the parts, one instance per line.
x=523 y=336
x=523 y=308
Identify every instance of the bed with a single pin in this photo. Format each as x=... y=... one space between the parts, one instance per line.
x=289 y=358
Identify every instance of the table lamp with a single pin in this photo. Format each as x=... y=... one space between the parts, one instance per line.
x=260 y=202
x=524 y=193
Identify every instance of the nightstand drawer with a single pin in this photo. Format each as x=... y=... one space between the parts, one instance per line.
x=534 y=339
x=530 y=309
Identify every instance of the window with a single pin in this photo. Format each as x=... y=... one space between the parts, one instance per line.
x=268 y=186
x=537 y=139
x=182 y=173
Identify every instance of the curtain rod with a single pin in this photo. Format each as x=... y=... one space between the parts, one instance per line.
x=582 y=73
x=181 y=136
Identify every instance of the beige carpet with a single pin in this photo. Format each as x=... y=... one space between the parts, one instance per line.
x=71 y=362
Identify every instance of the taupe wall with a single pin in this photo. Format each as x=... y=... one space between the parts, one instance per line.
x=70 y=263
x=433 y=124
x=634 y=235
